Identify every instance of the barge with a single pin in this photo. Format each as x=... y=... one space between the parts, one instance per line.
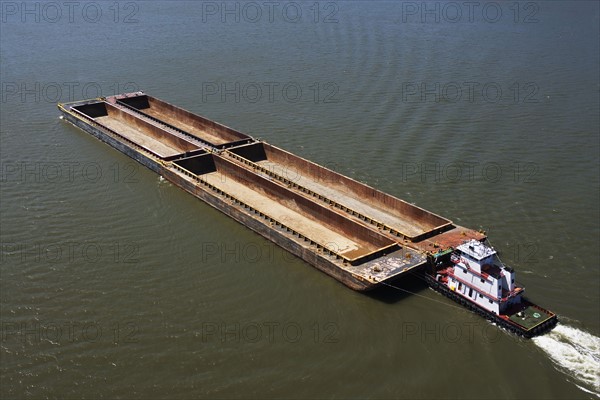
x=355 y=233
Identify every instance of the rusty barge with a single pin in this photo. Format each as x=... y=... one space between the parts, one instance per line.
x=353 y=232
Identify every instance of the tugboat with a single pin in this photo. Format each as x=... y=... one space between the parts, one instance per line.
x=472 y=275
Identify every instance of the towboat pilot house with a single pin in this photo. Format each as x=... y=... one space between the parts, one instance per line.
x=479 y=275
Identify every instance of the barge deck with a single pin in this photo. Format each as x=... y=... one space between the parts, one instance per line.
x=322 y=224
x=351 y=231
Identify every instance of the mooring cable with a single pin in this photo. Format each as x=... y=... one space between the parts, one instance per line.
x=425 y=297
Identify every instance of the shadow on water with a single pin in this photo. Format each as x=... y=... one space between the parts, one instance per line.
x=397 y=290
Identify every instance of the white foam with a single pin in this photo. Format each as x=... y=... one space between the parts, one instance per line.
x=575 y=352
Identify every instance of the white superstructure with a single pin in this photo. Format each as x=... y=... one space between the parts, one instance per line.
x=479 y=276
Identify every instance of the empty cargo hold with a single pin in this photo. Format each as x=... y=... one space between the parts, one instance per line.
x=209 y=131
x=143 y=133
x=350 y=240
x=408 y=220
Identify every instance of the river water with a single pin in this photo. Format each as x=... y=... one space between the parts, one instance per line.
x=116 y=284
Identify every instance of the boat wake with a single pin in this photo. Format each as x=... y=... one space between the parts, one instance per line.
x=575 y=352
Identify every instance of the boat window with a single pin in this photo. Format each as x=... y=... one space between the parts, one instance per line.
x=482 y=280
x=470 y=292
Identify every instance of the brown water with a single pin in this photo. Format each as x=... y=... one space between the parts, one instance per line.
x=116 y=284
